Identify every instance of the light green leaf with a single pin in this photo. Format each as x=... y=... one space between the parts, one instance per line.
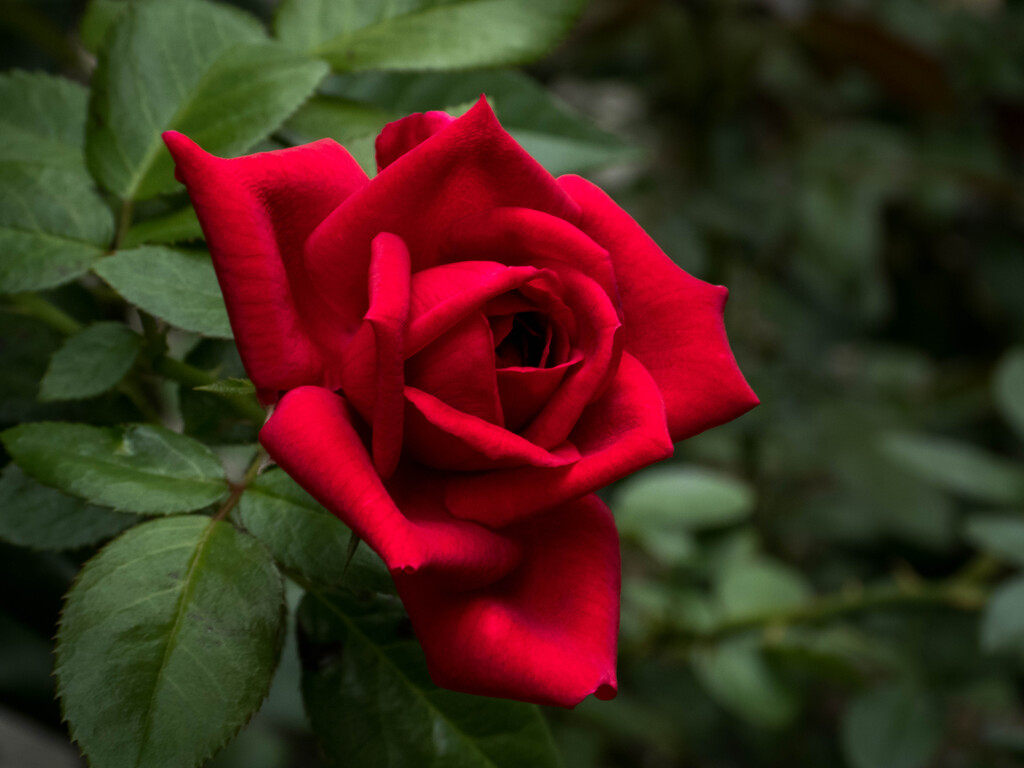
x=1009 y=389
x=1002 y=535
x=32 y=515
x=1002 y=623
x=760 y=586
x=229 y=387
x=305 y=537
x=90 y=362
x=177 y=286
x=890 y=727
x=178 y=227
x=371 y=701
x=53 y=225
x=138 y=468
x=168 y=643
x=958 y=467
x=189 y=65
x=425 y=34
x=735 y=674
x=682 y=498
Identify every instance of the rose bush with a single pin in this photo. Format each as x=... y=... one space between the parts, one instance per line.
x=461 y=350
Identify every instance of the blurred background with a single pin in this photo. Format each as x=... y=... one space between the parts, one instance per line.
x=830 y=580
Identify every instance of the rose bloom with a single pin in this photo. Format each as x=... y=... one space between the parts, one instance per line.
x=461 y=351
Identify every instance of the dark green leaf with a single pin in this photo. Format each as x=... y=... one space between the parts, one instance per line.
x=138 y=468
x=90 y=362
x=425 y=34
x=98 y=20
x=890 y=727
x=1002 y=624
x=53 y=225
x=958 y=467
x=357 y=107
x=735 y=674
x=176 y=286
x=305 y=537
x=1001 y=535
x=684 y=498
x=179 y=227
x=1009 y=389
x=168 y=643
x=232 y=387
x=371 y=702
x=32 y=515
x=204 y=69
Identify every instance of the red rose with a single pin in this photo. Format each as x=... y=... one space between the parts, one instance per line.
x=462 y=350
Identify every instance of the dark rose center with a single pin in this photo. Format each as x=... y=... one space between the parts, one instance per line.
x=522 y=340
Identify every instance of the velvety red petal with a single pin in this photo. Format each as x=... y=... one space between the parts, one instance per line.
x=472 y=165
x=547 y=632
x=524 y=391
x=524 y=237
x=445 y=295
x=620 y=433
x=673 y=321
x=312 y=437
x=256 y=212
x=399 y=137
x=443 y=437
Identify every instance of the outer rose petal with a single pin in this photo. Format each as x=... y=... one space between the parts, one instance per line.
x=399 y=137
x=545 y=633
x=617 y=435
x=471 y=165
x=673 y=321
x=256 y=212
x=312 y=437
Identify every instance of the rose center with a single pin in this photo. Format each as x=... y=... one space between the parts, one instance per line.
x=521 y=340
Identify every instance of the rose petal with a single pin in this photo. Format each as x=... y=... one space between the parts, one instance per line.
x=470 y=166
x=673 y=321
x=406 y=134
x=617 y=435
x=524 y=391
x=547 y=632
x=458 y=369
x=442 y=437
x=256 y=212
x=312 y=437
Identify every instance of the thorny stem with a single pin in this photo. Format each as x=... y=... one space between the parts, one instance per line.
x=33 y=305
x=124 y=222
x=237 y=489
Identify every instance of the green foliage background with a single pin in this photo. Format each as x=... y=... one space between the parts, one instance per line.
x=831 y=580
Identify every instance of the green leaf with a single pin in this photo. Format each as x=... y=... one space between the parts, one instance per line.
x=168 y=643
x=138 y=468
x=305 y=537
x=178 y=227
x=1001 y=535
x=1009 y=389
x=32 y=515
x=98 y=20
x=53 y=225
x=760 y=586
x=356 y=107
x=371 y=702
x=90 y=362
x=1002 y=623
x=958 y=467
x=890 y=727
x=681 y=498
x=229 y=387
x=176 y=286
x=204 y=69
x=426 y=34
x=735 y=674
